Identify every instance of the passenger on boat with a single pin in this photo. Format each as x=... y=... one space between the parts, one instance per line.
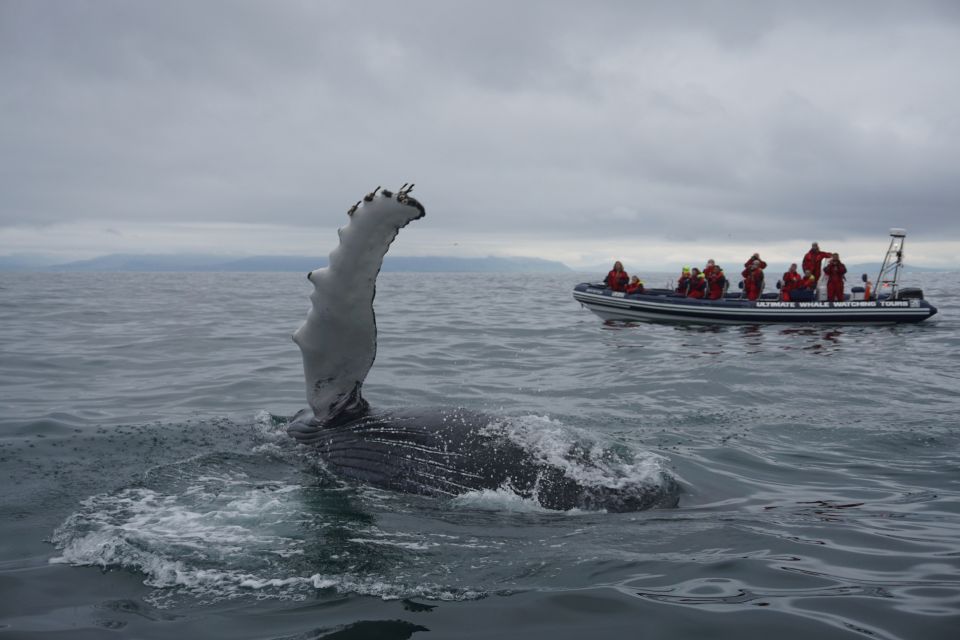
x=835 y=271
x=635 y=286
x=755 y=258
x=617 y=279
x=698 y=284
x=753 y=279
x=709 y=269
x=805 y=288
x=789 y=281
x=683 y=282
x=716 y=283
x=813 y=259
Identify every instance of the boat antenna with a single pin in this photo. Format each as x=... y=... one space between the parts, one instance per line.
x=892 y=264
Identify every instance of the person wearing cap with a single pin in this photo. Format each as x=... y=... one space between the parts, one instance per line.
x=617 y=279
x=635 y=286
x=789 y=282
x=683 y=282
x=716 y=282
x=753 y=279
x=813 y=260
x=835 y=271
x=698 y=284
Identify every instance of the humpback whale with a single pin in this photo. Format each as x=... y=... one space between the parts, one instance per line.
x=442 y=452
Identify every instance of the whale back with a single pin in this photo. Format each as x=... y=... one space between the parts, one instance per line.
x=450 y=452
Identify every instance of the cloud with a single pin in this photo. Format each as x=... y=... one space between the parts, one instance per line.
x=551 y=122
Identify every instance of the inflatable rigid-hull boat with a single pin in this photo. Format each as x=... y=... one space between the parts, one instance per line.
x=893 y=304
x=907 y=305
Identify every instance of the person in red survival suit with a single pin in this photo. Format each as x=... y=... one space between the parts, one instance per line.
x=716 y=282
x=807 y=283
x=835 y=271
x=709 y=269
x=755 y=258
x=698 y=284
x=683 y=282
x=753 y=280
x=617 y=279
x=789 y=282
x=813 y=259
x=635 y=286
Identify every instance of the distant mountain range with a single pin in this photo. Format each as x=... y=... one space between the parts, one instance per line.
x=182 y=263
x=427 y=264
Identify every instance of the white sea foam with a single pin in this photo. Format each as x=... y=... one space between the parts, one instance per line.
x=412 y=546
x=226 y=536
x=271 y=434
x=581 y=455
x=181 y=540
x=502 y=499
x=144 y=529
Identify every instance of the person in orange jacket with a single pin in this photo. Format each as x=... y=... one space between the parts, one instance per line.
x=617 y=279
x=635 y=286
x=807 y=283
x=813 y=260
x=789 y=282
x=698 y=284
x=709 y=269
x=753 y=280
x=835 y=271
x=716 y=282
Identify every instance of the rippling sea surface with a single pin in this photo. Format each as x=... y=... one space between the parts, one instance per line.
x=150 y=490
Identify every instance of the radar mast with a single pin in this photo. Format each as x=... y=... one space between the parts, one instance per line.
x=892 y=264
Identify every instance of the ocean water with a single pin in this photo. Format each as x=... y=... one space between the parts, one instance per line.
x=150 y=490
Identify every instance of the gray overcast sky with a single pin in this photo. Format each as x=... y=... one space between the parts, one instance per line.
x=655 y=132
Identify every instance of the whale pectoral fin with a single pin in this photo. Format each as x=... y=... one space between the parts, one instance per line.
x=338 y=339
